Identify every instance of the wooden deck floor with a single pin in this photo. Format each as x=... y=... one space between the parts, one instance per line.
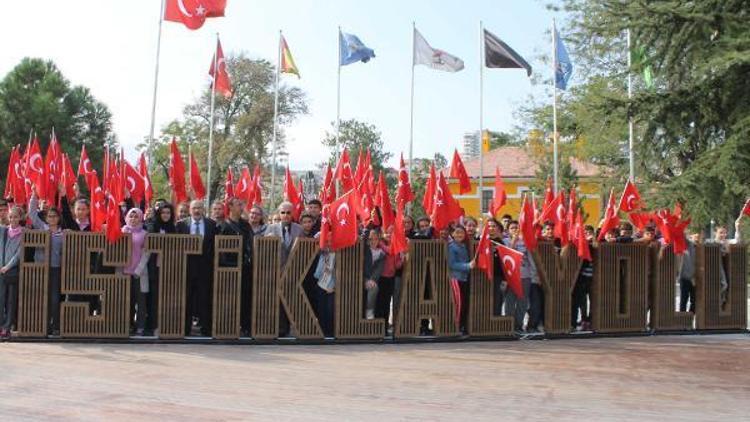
x=639 y=378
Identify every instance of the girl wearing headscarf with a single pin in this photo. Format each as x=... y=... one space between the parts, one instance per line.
x=161 y=223
x=137 y=268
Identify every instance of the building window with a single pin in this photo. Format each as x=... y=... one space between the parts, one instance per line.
x=486 y=200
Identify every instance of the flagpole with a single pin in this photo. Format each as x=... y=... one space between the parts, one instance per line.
x=481 y=114
x=150 y=146
x=338 y=96
x=631 y=153
x=411 y=112
x=554 y=105
x=275 y=125
x=211 y=121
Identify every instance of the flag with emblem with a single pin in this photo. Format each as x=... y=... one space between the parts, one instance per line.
x=193 y=13
x=512 y=261
x=434 y=58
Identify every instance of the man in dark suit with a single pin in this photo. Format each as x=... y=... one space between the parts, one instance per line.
x=287 y=231
x=234 y=225
x=200 y=268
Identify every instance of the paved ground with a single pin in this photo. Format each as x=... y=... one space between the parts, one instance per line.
x=639 y=378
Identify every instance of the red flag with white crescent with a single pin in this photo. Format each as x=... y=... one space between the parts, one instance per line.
x=630 y=199
x=500 y=198
x=148 y=190
x=134 y=183
x=458 y=171
x=485 y=258
x=404 y=194
x=343 y=172
x=193 y=13
x=344 y=221
x=196 y=182
x=512 y=260
x=219 y=74
x=526 y=224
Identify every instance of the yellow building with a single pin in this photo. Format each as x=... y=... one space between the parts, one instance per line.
x=518 y=170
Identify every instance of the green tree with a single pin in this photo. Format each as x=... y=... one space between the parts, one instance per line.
x=692 y=128
x=356 y=136
x=35 y=96
x=243 y=126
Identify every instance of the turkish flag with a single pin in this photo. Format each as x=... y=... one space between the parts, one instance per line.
x=399 y=243
x=404 y=194
x=582 y=244
x=52 y=170
x=228 y=190
x=343 y=221
x=148 y=190
x=134 y=183
x=220 y=78
x=343 y=172
x=359 y=172
x=196 y=182
x=193 y=13
x=177 y=173
x=746 y=208
x=526 y=224
x=384 y=202
x=243 y=188
x=365 y=204
x=445 y=208
x=458 y=171
x=678 y=235
x=327 y=193
x=640 y=219
x=500 y=197
x=571 y=215
x=35 y=168
x=429 y=191
x=114 y=231
x=257 y=198
x=553 y=209
x=10 y=180
x=19 y=179
x=512 y=260
x=68 y=177
x=611 y=220
x=98 y=203
x=549 y=194
x=631 y=199
x=299 y=206
x=485 y=259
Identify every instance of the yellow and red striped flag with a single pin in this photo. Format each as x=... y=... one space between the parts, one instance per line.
x=287 y=61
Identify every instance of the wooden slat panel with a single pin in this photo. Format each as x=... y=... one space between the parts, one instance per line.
x=427 y=263
x=292 y=294
x=710 y=314
x=482 y=321
x=662 y=279
x=350 y=307
x=633 y=259
x=227 y=289
x=173 y=251
x=114 y=290
x=33 y=286
x=266 y=263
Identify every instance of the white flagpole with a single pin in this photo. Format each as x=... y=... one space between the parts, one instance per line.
x=275 y=126
x=211 y=121
x=630 y=118
x=150 y=146
x=481 y=114
x=554 y=105
x=411 y=115
x=338 y=95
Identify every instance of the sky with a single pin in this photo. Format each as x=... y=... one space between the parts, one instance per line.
x=110 y=47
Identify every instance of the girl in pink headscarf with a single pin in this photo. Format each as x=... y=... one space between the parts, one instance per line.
x=137 y=269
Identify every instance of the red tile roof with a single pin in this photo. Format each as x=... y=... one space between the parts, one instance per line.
x=517 y=162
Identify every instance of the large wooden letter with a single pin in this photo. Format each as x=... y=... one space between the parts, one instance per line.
x=620 y=288
x=173 y=251
x=711 y=315
x=349 y=316
x=558 y=274
x=663 y=292
x=33 y=287
x=227 y=289
x=272 y=284
x=482 y=320
x=427 y=263
x=77 y=279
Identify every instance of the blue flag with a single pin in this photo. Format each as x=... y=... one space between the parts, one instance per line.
x=563 y=65
x=352 y=50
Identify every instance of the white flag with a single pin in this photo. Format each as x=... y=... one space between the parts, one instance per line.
x=433 y=57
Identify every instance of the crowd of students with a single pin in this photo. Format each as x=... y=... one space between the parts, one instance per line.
x=382 y=270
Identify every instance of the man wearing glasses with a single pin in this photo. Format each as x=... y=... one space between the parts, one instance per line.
x=287 y=231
